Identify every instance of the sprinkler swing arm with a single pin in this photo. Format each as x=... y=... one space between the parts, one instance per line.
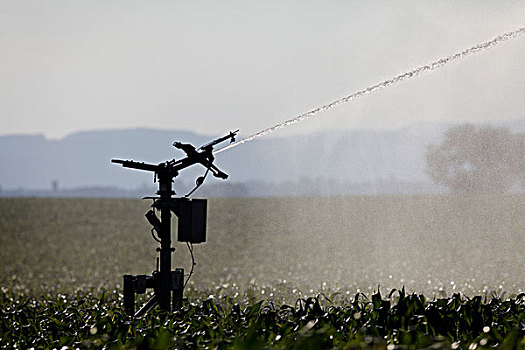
x=168 y=285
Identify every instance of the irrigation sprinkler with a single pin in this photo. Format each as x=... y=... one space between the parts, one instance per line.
x=192 y=213
x=168 y=285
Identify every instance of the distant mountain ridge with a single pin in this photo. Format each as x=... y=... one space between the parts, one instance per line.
x=83 y=159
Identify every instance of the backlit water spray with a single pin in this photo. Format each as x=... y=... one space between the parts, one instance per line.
x=397 y=79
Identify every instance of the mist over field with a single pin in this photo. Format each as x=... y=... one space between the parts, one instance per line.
x=276 y=248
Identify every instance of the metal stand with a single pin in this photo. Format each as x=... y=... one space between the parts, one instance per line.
x=163 y=281
x=168 y=285
x=138 y=285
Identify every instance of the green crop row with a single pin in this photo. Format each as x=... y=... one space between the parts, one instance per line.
x=396 y=321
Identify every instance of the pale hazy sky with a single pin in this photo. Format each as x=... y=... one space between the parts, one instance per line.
x=211 y=66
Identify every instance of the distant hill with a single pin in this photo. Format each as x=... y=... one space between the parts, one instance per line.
x=82 y=160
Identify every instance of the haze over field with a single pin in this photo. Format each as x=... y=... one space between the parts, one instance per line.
x=277 y=248
x=334 y=162
x=83 y=159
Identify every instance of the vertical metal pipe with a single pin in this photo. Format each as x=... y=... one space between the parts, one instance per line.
x=163 y=290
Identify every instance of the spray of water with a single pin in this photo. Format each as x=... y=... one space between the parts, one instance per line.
x=397 y=79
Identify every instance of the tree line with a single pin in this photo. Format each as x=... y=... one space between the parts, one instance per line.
x=478 y=159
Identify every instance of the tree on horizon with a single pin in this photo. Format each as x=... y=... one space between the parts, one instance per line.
x=478 y=159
